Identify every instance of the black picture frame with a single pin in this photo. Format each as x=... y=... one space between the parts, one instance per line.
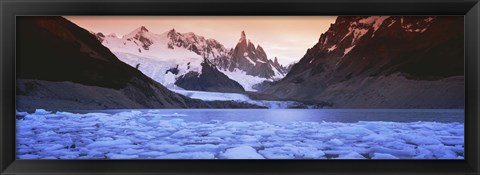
x=470 y=9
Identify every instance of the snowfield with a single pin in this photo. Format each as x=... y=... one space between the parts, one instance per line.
x=153 y=135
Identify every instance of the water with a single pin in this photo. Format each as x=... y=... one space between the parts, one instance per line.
x=311 y=115
x=242 y=133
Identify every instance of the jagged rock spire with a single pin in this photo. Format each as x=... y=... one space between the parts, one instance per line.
x=243 y=36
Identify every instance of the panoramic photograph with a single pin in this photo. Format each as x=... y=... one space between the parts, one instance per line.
x=240 y=87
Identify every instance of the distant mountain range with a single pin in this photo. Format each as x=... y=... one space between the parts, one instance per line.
x=382 y=61
x=191 y=62
x=359 y=62
x=64 y=67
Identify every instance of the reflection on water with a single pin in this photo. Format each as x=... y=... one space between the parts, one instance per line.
x=311 y=115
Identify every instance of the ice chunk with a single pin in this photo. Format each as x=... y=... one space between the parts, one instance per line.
x=377 y=138
x=21 y=113
x=405 y=152
x=248 y=139
x=353 y=130
x=142 y=120
x=54 y=147
x=28 y=156
x=109 y=143
x=313 y=154
x=42 y=112
x=441 y=151
x=351 y=155
x=264 y=132
x=335 y=142
x=421 y=140
x=203 y=148
x=188 y=155
x=151 y=154
x=182 y=133
x=284 y=152
x=222 y=133
x=167 y=147
x=452 y=140
x=383 y=156
x=241 y=152
x=121 y=156
x=131 y=151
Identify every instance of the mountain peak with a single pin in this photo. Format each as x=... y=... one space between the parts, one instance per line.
x=243 y=37
x=259 y=47
x=172 y=32
x=143 y=29
x=137 y=32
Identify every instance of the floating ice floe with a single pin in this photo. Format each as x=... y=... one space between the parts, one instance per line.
x=149 y=135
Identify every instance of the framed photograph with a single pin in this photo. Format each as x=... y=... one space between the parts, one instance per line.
x=239 y=87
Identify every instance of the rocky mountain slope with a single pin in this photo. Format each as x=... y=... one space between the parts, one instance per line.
x=64 y=67
x=382 y=61
x=171 y=58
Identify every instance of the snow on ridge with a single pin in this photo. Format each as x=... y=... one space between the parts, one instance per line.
x=276 y=75
x=379 y=22
x=369 y=20
x=429 y=19
x=374 y=21
x=332 y=48
x=416 y=28
x=260 y=61
x=155 y=135
x=361 y=27
x=347 y=50
x=357 y=34
x=245 y=55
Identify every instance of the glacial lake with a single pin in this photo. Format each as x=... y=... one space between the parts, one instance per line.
x=241 y=134
x=306 y=115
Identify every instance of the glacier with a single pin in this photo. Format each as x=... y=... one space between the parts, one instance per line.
x=237 y=97
x=149 y=134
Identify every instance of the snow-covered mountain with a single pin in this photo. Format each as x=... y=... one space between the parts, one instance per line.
x=176 y=60
x=249 y=58
x=170 y=56
x=382 y=61
x=249 y=65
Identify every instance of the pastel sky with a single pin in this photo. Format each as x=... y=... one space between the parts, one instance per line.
x=284 y=37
